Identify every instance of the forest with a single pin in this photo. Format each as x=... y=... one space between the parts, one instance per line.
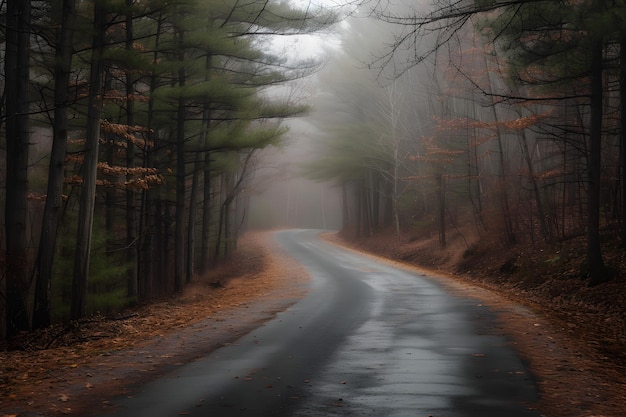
x=480 y=120
x=131 y=133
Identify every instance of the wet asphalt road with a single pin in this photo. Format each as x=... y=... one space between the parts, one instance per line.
x=368 y=340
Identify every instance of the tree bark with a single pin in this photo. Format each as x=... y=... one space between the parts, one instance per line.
x=149 y=224
x=90 y=169
x=56 y=170
x=228 y=193
x=441 y=188
x=622 y=98
x=376 y=191
x=345 y=212
x=595 y=263
x=132 y=255
x=545 y=230
x=17 y=83
x=206 y=211
x=191 y=225
x=179 y=232
x=206 y=178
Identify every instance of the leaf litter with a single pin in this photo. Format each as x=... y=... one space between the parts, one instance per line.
x=93 y=359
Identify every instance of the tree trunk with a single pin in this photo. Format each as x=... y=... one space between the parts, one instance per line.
x=345 y=212
x=441 y=188
x=110 y=194
x=358 y=192
x=227 y=224
x=90 y=169
x=595 y=263
x=179 y=234
x=206 y=180
x=150 y=226
x=206 y=212
x=17 y=133
x=56 y=170
x=131 y=210
x=228 y=194
x=503 y=196
x=166 y=244
x=390 y=212
x=396 y=193
x=622 y=98
x=473 y=172
x=367 y=210
x=191 y=225
x=502 y=189
x=545 y=230
x=376 y=191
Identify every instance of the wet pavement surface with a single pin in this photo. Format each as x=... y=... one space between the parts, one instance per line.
x=367 y=340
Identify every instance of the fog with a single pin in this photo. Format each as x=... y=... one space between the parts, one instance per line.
x=446 y=122
x=283 y=196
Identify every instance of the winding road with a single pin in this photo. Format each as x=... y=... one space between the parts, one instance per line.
x=367 y=340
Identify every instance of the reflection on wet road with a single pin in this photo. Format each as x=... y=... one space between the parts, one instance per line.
x=368 y=340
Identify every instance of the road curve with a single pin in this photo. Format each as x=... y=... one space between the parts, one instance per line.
x=367 y=340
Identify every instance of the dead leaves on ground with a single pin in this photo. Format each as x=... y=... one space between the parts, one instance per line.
x=59 y=354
